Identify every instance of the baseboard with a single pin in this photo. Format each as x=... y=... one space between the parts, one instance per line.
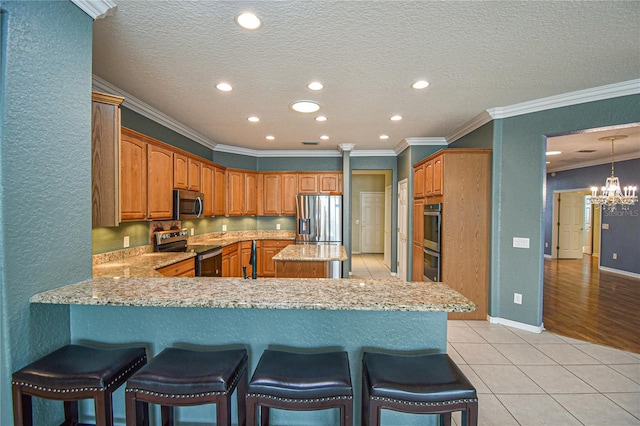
x=548 y=256
x=620 y=272
x=515 y=324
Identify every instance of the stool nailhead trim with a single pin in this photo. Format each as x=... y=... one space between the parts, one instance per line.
x=301 y=401
x=424 y=404
x=92 y=389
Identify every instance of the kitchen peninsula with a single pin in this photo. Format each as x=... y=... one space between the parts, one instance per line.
x=346 y=314
x=310 y=261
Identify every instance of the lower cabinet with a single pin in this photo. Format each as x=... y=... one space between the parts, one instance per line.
x=184 y=268
x=230 y=261
x=269 y=249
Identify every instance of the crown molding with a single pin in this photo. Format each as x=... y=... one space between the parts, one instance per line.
x=625 y=88
x=373 y=153
x=136 y=105
x=97 y=9
x=475 y=123
x=346 y=147
x=618 y=159
x=275 y=153
x=407 y=142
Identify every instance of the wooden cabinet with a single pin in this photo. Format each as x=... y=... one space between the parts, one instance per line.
x=184 y=268
x=219 y=192
x=146 y=178
x=242 y=198
x=308 y=183
x=319 y=182
x=105 y=159
x=463 y=188
x=269 y=249
x=418 y=181
x=159 y=183
x=427 y=177
x=251 y=193
x=186 y=172
x=208 y=173
x=230 y=261
x=279 y=192
x=417 y=254
x=195 y=171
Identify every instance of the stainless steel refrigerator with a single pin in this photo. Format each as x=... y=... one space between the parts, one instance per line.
x=318 y=219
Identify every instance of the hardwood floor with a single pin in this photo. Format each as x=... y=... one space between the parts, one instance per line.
x=584 y=303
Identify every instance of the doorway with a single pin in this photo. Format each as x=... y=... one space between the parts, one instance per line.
x=403 y=211
x=573 y=235
x=372 y=222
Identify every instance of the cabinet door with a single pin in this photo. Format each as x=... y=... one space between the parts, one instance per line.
x=418 y=181
x=220 y=192
x=234 y=264
x=208 y=172
x=194 y=175
x=428 y=178
x=180 y=171
x=417 y=270
x=159 y=182
x=270 y=248
x=288 y=192
x=329 y=182
x=133 y=178
x=308 y=183
x=271 y=183
x=251 y=193
x=235 y=192
x=438 y=174
x=418 y=222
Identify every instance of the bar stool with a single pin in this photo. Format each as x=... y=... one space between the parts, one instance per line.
x=72 y=373
x=181 y=377
x=424 y=384
x=295 y=381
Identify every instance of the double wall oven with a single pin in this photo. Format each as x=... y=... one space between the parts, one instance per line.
x=208 y=261
x=431 y=242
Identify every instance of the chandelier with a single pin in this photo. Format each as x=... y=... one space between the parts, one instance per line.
x=611 y=194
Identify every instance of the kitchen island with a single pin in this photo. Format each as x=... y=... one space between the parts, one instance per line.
x=310 y=261
x=319 y=314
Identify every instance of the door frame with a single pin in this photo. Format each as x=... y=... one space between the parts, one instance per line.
x=362 y=195
x=403 y=246
x=555 y=224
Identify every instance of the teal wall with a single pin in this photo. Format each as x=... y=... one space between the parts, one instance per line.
x=517 y=201
x=45 y=181
x=482 y=137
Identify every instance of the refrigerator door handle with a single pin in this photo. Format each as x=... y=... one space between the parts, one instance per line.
x=304 y=226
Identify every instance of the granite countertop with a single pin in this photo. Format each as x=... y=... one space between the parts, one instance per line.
x=267 y=293
x=141 y=266
x=312 y=252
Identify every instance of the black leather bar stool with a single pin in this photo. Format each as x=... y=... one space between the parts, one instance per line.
x=296 y=381
x=72 y=373
x=181 y=377
x=427 y=384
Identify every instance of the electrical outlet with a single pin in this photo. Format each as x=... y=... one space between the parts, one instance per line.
x=193 y=232
x=605 y=226
x=546 y=245
x=615 y=256
x=277 y=226
x=520 y=242
x=224 y=228
x=125 y=243
x=517 y=298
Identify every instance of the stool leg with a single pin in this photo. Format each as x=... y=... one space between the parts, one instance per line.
x=21 y=408
x=167 y=415
x=104 y=409
x=251 y=405
x=264 y=416
x=241 y=395
x=470 y=415
x=347 y=413
x=445 y=419
x=223 y=411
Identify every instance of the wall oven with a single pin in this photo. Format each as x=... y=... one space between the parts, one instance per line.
x=431 y=242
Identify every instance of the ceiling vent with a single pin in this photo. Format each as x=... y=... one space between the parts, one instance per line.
x=586 y=151
x=309 y=142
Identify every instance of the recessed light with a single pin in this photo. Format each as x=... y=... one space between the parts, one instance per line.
x=248 y=21
x=305 y=106
x=315 y=85
x=420 y=84
x=396 y=118
x=321 y=118
x=554 y=152
x=270 y=137
x=384 y=137
x=253 y=119
x=324 y=137
x=224 y=87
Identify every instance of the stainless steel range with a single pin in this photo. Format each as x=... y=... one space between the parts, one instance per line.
x=208 y=257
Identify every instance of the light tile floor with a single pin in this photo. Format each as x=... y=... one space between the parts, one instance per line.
x=525 y=378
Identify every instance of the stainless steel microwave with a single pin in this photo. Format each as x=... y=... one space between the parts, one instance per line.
x=187 y=205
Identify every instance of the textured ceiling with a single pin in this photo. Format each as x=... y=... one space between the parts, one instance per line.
x=476 y=55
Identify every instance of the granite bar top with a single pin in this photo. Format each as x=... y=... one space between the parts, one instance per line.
x=312 y=252
x=268 y=293
x=141 y=266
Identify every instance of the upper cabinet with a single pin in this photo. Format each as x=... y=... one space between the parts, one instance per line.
x=220 y=191
x=105 y=159
x=186 y=172
x=427 y=177
x=279 y=192
x=319 y=182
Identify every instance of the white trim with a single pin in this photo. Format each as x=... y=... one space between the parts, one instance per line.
x=625 y=88
x=629 y=156
x=276 y=153
x=548 y=256
x=136 y=105
x=97 y=9
x=475 y=123
x=373 y=153
x=620 y=272
x=346 y=147
x=407 y=142
x=515 y=324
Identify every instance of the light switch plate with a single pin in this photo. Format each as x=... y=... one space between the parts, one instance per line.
x=520 y=242
x=125 y=243
x=277 y=226
x=224 y=228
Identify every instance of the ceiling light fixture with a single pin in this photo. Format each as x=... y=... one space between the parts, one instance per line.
x=248 y=21
x=315 y=85
x=270 y=137
x=305 y=106
x=396 y=118
x=253 y=119
x=224 y=87
x=610 y=194
x=548 y=153
x=321 y=118
x=324 y=137
x=384 y=137
x=420 y=84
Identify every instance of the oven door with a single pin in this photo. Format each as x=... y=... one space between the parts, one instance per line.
x=209 y=264
x=432 y=226
x=431 y=266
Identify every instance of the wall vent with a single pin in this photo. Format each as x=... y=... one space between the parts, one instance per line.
x=309 y=142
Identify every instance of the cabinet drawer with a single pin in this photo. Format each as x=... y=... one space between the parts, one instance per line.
x=184 y=268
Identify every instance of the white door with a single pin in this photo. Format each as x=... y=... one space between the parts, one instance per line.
x=387 y=226
x=588 y=236
x=403 y=211
x=571 y=214
x=372 y=222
